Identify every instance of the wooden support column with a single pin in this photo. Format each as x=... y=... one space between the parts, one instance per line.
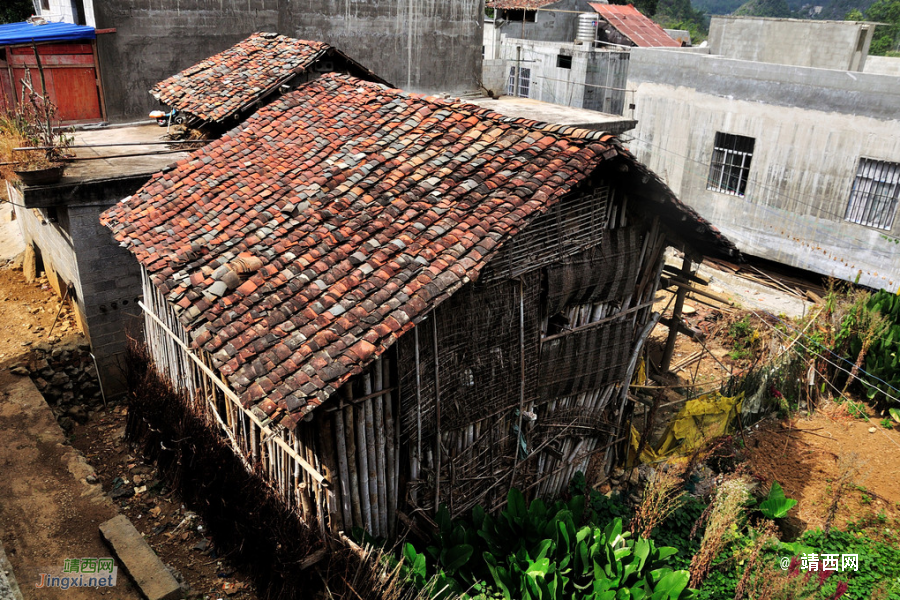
x=676 y=317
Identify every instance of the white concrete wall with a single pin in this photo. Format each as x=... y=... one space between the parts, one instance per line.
x=804 y=161
x=594 y=81
x=61 y=11
x=883 y=65
x=803 y=43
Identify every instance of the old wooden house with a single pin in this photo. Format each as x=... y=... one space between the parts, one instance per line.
x=390 y=301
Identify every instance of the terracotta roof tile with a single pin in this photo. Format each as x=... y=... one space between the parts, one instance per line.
x=228 y=82
x=335 y=280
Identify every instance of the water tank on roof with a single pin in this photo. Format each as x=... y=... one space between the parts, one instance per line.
x=587 y=28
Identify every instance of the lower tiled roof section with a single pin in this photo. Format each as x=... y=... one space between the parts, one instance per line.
x=222 y=84
x=301 y=246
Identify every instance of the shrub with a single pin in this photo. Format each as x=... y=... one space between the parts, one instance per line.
x=536 y=551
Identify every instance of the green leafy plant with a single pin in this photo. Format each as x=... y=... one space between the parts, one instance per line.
x=537 y=552
x=776 y=505
x=887 y=423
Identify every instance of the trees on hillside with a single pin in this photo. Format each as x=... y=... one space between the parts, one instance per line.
x=13 y=11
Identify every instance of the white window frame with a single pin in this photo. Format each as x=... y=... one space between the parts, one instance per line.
x=524 y=88
x=875 y=194
x=729 y=167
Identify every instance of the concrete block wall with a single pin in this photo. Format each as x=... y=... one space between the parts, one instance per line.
x=110 y=281
x=425 y=45
x=811 y=127
x=53 y=241
x=841 y=45
x=557 y=22
x=105 y=279
x=883 y=65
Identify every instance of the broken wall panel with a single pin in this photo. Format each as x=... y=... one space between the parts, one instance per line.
x=599 y=274
x=584 y=360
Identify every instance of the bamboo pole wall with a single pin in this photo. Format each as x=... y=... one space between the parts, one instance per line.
x=367 y=448
x=273 y=452
x=538 y=446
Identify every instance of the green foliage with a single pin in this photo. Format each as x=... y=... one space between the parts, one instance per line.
x=680 y=14
x=537 y=552
x=887 y=37
x=600 y=507
x=879 y=562
x=676 y=531
x=14 y=11
x=882 y=359
x=765 y=8
x=776 y=505
x=744 y=338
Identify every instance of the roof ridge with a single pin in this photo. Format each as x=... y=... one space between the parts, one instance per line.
x=480 y=111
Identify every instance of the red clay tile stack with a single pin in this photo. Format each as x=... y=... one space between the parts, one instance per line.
x=301 y=246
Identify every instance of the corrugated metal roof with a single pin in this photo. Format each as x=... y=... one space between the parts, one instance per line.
x=629 y=21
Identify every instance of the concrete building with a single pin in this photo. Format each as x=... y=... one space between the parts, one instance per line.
x=799 y=164
x=61 y=223
x=840 y=45
x=567 y=73
x=569 y=52
x=420 y=46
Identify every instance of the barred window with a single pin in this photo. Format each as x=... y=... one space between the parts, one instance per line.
x=873 y=199
x=729 y=169
x=524 y=86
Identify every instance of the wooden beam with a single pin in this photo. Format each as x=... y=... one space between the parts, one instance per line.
x=229 y=393
x=686 y=286
x=676 y=316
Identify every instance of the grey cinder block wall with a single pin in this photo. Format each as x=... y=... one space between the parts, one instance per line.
x=105 y=280
x=419 y=45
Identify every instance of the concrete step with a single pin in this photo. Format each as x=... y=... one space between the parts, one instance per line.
x=139 y=559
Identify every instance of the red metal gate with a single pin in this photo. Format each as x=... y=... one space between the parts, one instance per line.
x=70 y=74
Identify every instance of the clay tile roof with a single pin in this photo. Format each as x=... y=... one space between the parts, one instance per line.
x=223 y=84
x=301 y=245
x=629 y=21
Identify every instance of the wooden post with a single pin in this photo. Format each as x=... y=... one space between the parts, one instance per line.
x=352 y=463
x=437 y=417
x=332 y=494
x=343 y=466
x=676 y=318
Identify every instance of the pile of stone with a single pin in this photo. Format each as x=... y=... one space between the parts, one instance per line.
x=67 y=377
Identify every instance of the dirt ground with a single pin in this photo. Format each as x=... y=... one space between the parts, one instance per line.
x=41 y=535
x=808 y=457
x=807 y=454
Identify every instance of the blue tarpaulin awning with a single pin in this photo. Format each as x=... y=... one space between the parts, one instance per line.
x=25 y=33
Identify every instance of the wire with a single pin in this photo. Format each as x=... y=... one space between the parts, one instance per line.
x=819 y=355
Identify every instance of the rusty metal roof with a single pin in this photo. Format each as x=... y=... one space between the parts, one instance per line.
x=629 y=21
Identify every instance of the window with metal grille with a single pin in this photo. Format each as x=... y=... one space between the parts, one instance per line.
x=729 y=168
x=563 y=61
x=873 y=199
x=524 y=86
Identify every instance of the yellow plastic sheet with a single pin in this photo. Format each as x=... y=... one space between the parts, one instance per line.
x=699 y=421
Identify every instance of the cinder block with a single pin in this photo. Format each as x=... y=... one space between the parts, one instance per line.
x=141 y=562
